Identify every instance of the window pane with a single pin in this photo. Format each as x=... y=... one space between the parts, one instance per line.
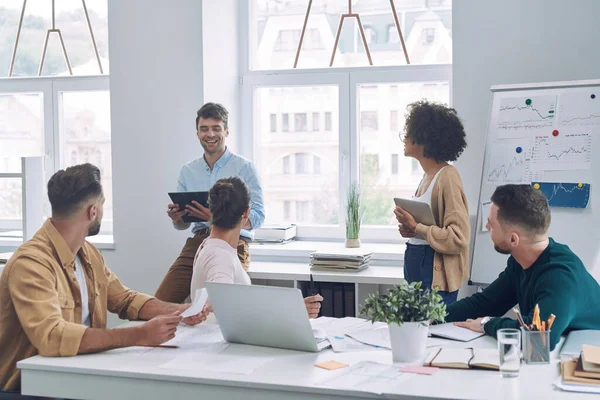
x=382 y=182
x=273 y=123
x=327 y=121
x=300 y=122
x=316 y=121
x=85 y=137
x=11 y=212
x=70 y=19
x=21 y=129
x=312 y=195
x=276 y=28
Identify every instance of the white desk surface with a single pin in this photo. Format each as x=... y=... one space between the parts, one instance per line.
x=126 y=374
x=301 y=271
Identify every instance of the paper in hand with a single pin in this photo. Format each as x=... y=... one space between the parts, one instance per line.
x=199 y=300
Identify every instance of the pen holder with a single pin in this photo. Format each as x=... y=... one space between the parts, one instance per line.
x=536 y=346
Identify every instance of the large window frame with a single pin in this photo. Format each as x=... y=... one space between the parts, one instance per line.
x=348 y=81
x=51 y=88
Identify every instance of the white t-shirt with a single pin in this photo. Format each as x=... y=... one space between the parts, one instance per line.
x=424 y=198
x=85 y=308
x=217 y=261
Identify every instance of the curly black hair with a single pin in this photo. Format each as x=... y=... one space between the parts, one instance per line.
x=437 y=128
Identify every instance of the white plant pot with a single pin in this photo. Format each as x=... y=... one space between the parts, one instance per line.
x=409 y=341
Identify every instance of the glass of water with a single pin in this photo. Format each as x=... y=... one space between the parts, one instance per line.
x=509 y=347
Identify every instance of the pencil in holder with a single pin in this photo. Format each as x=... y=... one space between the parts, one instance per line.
x=536 y=346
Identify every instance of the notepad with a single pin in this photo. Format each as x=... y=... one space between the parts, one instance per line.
x=464 y=358
x=590 y=358
x=331 y=365
x=451 y=331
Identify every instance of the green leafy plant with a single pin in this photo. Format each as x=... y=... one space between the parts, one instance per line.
x=405 y=303
x=354 y=212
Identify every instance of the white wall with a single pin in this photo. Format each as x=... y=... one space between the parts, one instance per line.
x=221 y=28
x=155 y=89
x=515 y=41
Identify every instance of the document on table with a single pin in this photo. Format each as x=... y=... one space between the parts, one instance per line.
x=368 y=376
x=200 y=298
x=341 y=343
x=192 y=337
x=334 y=328
x=376 y=335
x=451 y=331
x=213 y=359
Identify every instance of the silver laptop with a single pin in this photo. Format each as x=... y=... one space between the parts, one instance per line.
x=264 y=316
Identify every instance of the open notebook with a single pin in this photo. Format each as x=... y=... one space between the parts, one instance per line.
x=448 y=357
x=451 y=331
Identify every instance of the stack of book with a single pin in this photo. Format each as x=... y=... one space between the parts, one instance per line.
x=275 y=234
x=347 y=260
x=582 y=374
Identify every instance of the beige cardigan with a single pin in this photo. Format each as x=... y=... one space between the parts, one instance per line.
x=450 y=238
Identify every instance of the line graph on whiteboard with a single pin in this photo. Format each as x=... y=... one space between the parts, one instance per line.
x=506 y=165
x=579 y=109
x=518 y=114
x=573 y=195
x=566 y=152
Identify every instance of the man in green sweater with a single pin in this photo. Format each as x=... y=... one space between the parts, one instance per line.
x=539 y=271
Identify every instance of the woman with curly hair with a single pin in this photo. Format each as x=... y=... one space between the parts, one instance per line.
x=437 y=255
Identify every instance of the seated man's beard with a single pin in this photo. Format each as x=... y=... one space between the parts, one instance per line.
x=94 y=228
x=501 y=250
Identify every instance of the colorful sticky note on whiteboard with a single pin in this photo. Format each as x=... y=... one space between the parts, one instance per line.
x=561 y=194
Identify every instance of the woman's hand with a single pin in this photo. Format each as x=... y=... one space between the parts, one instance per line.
x=405 y=232
x=405 y=219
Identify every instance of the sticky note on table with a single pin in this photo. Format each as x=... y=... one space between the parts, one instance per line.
x=330 y=365
x=415 y=369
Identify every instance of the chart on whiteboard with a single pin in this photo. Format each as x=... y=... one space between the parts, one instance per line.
x=579 y=109
x=571 y=195
x=519 y=115
x=510 y=162
x=564 y=152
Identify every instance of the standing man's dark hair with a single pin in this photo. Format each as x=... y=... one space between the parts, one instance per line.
x=524 y=206
x=71 y=188
x=213 y=111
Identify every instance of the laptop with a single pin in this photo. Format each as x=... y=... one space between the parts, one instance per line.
x=264 y=316
x=575 y=341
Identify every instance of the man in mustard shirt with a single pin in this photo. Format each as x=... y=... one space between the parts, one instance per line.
x=56 y=289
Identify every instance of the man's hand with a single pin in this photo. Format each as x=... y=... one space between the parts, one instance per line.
x=158 y=330
x=194 y=319
x=405 y=218
x=175 y=214
x=313 y=305
x=405 y=232
x=472 y=324
x=198 y=211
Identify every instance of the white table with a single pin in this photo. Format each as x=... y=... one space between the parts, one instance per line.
x=124 y=374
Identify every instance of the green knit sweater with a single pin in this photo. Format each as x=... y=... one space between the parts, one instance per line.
x=558 y=282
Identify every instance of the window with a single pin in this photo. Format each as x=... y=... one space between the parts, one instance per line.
x=301 y=163
x=316 y=122
x=286 y=165
x=316 y=165
x=394 y=164
x=368 y=121
x=305 y=188
x=300 y=122
x=394 y=120
x=286 y=210
x=285 y=122
x=382 y=184
x=328 y=121
x=275 y=27
x=273 y=123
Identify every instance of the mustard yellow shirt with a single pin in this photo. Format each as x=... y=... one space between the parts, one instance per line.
x=40 y=301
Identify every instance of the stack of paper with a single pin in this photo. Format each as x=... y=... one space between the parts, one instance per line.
x=347 y=260
x=275 y=233
x=583 y=373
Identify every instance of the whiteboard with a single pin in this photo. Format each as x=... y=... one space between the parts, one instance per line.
x=543 y=134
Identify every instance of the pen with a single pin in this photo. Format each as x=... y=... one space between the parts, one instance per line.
x=551 y=320
x=520 y=319
x=312 y=290
x=536 y=316
x=163 y=346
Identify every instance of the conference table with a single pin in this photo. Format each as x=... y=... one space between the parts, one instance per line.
x=164 y=373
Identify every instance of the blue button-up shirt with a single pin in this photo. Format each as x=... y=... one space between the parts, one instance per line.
x=196 y=176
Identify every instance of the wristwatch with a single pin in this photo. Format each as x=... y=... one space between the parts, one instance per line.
x=484 y=321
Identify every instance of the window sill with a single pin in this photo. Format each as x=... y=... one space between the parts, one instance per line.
x=385 y=254
x=102 y=242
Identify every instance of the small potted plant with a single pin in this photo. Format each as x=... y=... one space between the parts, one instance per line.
x=354 y=214
x=407 y=309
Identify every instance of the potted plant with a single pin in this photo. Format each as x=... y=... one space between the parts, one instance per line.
x=354 y=214
x=407 y=309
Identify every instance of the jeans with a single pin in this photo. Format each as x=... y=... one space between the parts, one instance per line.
x=418 y=267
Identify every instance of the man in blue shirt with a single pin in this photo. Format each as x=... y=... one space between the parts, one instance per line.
x=199 y=176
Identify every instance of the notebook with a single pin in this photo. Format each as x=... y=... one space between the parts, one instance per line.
x=576 y=339
x=469 y=358
x=451 y=331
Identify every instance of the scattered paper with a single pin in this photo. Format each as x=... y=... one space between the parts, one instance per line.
x=451 y=331
x=341 y=343
x=378 y=335
x=414 y=369
x=331 y=365
x=200 y=298
x=192 y=337
x=368 y=376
